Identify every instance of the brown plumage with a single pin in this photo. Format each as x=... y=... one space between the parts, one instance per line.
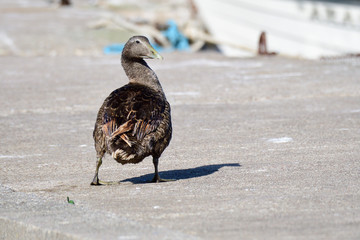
x=134 y=121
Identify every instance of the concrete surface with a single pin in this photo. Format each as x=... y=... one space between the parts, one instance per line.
x=263 y=148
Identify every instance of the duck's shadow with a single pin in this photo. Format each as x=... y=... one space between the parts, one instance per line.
x=182 y=173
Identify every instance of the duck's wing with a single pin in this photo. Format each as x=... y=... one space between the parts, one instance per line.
x=132 y=111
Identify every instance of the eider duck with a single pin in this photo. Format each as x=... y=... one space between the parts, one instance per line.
x=134 y=121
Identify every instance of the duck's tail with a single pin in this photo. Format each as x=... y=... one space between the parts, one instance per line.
x=111 y=130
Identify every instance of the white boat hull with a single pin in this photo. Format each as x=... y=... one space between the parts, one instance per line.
x=304 y=29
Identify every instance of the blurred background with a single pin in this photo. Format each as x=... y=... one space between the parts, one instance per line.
x=310 y=29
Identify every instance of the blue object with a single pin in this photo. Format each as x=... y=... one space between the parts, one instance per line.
x=115 y=48
x=176 y=38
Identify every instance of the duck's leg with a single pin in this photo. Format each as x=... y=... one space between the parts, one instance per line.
x=156 y=174
x=96 y=180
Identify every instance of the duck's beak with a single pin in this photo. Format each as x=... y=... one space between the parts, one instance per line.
x=153 y=54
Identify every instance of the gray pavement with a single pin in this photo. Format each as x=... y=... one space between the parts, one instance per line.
x=263 y=148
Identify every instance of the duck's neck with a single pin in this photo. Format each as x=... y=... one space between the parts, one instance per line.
x=139 y=72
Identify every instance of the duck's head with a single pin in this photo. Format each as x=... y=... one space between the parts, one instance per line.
x=139 y=47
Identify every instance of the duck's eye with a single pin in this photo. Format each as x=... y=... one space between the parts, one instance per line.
x=137 y=41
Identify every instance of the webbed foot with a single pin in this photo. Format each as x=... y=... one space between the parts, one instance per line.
x=157 y=178
x=97 y=182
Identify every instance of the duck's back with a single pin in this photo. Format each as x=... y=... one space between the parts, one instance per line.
x=133 y=122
